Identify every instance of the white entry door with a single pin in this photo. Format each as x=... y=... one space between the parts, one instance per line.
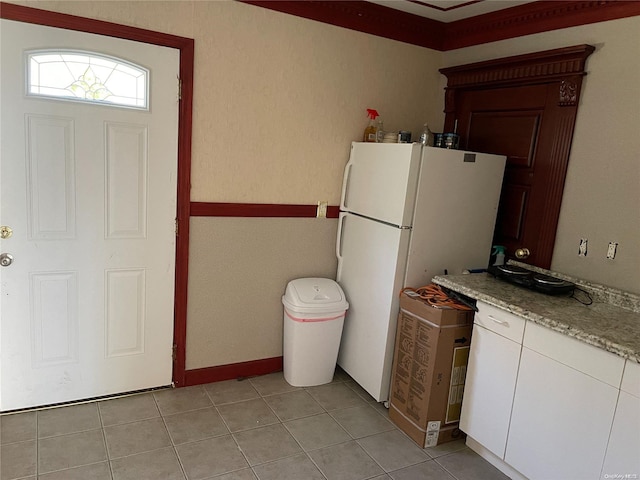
x=89 y=192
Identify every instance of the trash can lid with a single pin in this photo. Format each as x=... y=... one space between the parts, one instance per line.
x=315 y=295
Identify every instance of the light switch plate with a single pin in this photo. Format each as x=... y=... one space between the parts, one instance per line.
x=321 y=212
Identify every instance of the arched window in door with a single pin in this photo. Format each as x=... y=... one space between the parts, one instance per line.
x=87 y=77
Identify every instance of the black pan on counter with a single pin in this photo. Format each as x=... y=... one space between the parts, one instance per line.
x=532 y=280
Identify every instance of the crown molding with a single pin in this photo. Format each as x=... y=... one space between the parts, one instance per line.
x=527 y=19
x=445 y=9
x=535 y=17
x=560 y=63
x=364 y=17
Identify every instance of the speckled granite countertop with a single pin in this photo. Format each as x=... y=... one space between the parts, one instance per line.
x=611 y=322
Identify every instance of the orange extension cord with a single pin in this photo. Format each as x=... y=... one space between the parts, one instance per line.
x=434 y=296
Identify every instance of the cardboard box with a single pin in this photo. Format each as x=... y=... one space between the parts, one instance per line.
x=429 y=369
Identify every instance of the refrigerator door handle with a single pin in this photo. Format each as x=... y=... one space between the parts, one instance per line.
x=341 y=221
x=345 y=185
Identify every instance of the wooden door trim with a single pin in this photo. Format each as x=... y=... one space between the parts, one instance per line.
x=185 y=46
x=560 y=64
x=562 y=69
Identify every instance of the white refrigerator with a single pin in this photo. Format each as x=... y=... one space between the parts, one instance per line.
x=408 y=213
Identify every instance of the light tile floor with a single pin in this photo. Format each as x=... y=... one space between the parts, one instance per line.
x=261 y=428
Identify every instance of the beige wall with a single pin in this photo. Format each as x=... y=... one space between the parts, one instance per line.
x=601 y=199
x=238 y=277
x=278 y=99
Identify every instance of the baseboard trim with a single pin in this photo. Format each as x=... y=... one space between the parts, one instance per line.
x=232 y=371
x=494 y=460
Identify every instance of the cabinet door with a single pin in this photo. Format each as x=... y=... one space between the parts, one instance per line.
x=489 y=388
x=561 y=421
x=623 y=452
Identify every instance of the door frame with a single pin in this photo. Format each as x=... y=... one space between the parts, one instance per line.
x=562 y=67
x=185 y=46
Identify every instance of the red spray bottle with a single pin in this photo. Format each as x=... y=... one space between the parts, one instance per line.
x=371 y=130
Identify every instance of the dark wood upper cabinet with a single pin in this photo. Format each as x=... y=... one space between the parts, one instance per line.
x=523 y=107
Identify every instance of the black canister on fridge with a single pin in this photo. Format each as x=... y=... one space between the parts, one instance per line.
x=450 y=140
x=404 y=136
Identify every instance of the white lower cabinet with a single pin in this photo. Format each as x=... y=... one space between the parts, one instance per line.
x=623 y=453
x=543 y=405
x=560 y=422
x=491 y=376
x=489 y=387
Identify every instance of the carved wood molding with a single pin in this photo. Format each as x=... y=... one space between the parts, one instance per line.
x=527 y=19
x=529 y=68
x=569 y=92
x=535 y=17
x=564 y=65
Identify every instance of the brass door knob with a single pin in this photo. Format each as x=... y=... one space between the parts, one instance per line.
x=5 y=231
x=522 y=253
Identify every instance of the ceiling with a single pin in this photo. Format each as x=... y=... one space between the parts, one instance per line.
x=449 y=10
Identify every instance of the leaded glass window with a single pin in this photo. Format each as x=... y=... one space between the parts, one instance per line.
x=87 y=77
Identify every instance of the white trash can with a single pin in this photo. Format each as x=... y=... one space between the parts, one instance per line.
x=314 y=311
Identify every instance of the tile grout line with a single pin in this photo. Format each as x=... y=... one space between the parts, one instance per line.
x=37 y=440
x=277 y=420
x=38 y=444
x=230 y=433
x=326 y=412
x=445 y=468
x=282 y=423
x=306 y=453
x=104 y=439
x=357 y=440
x=173 y=446
x=67 y=469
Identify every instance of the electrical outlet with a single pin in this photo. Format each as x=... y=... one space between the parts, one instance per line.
x=582 y=248
x=611 y=251
x=321 y=212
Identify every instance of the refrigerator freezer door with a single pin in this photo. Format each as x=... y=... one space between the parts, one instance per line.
x=371 y=263
x=456 y=205
x=380 y=181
